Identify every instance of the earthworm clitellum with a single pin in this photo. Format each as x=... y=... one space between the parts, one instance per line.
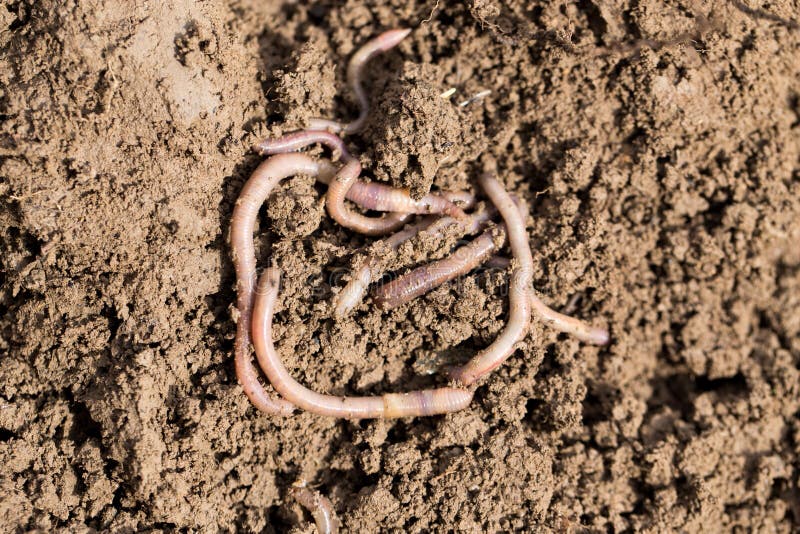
x=389 y=405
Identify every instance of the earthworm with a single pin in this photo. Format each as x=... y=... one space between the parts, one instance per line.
x=563 y=323
x=426 y=277
x=354 y=291
x=301 y=139
x=319 y=506
x=519 y=288
x=383 y=42
x=349 y=297
x=378 y=197
x=263 y=180
x=431 y=275
x=389 y=405
x=374 y=196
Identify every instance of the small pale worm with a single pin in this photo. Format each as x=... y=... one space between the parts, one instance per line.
x=320 y=507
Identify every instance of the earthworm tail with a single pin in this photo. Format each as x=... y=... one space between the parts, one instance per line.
x=383 y=42
x=521 y=275
x=416 y=403
x=319 y=506
x=563 y=323
x=254 y=193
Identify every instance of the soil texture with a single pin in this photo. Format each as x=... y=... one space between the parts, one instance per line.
x=656 y=143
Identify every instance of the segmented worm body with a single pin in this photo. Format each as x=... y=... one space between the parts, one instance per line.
x=299 y=140
x=380 y=197
x=354 y=291
x=320 y=507
x=431 y=275
x=427 y=277
x=563 y=323
x=519 y=288
x=254 y=193
x=375 y=197
x=383 y=42
x=390 y=405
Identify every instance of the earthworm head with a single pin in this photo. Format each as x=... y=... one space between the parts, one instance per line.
x=599 y=336
x=391 y=38
x=262 y=147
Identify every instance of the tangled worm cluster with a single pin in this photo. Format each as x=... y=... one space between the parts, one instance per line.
x=442 y=211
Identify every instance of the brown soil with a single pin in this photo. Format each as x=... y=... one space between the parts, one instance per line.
x=658 y=145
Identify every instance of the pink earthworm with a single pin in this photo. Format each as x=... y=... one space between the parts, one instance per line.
x=349 y=297
x=354 y=291
x=383 y=42
x=301 y=139
x=431 y=275
x=390 y=405
x=378 y=197
x=263 y=180
x=320 y=507
x=521 y=277
x=563 y=323
x=375 y=197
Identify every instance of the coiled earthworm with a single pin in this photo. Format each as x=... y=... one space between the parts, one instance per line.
x=378 y=197
x=563 y=323
x=319 y=506
x=354 y=291
x=519 y=288
x=383 y=42
x=263 y=180
x=413 y=404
